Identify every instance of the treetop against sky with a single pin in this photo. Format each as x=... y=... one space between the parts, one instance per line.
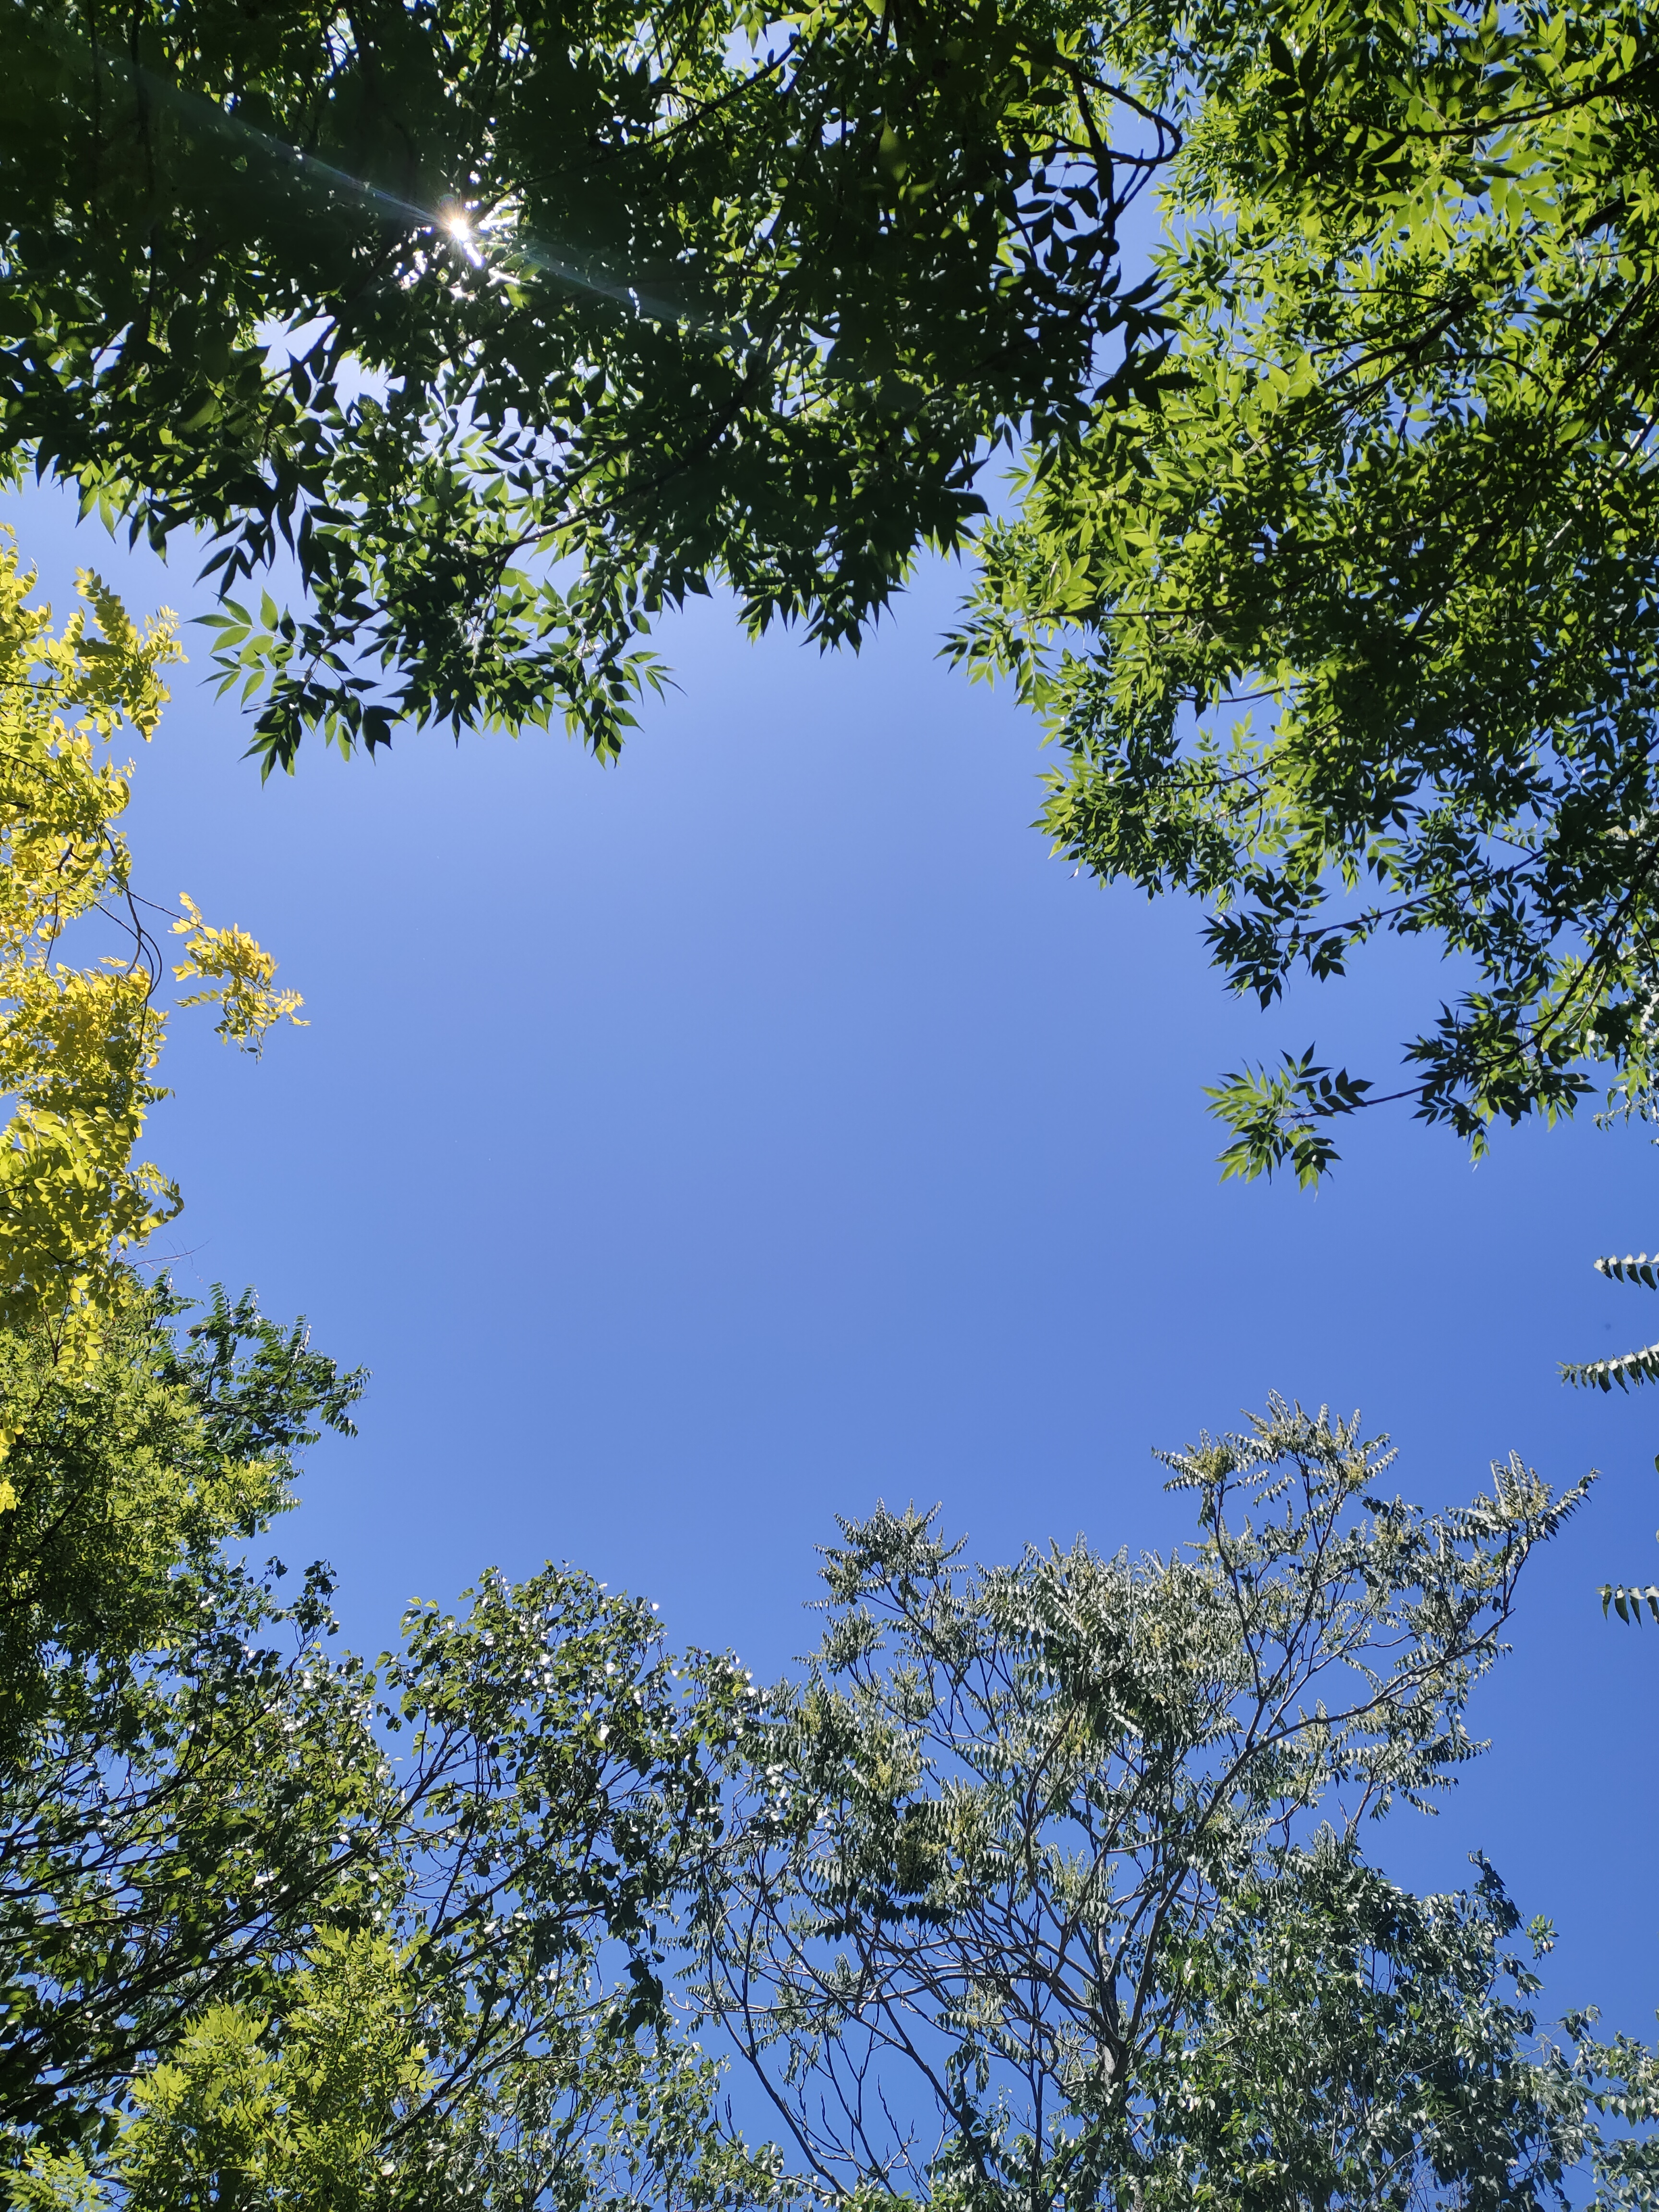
x=646 y=300
x=1335 y=570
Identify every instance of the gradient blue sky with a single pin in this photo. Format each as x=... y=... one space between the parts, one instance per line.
x=700 y=1148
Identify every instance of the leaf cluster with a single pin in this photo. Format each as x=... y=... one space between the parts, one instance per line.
x=157 y=1451
x=1348 y=628
x=79 y=1044
x=280 y=1928
x=1043 y=1884
x=1046 y=1887
x=516 y=325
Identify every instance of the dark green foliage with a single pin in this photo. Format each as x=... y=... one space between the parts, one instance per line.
x=260 y=1404
x=172 y=1839
x=506 y=1806
x=178 y=1796
x=1349 y=2044
x=580 y=312
x=1042 y=1888
x=123 y=1471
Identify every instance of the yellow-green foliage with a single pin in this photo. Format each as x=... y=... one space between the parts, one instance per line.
x=239 y=976
x=79 y=1044
x=110 y=1481
x=302 y=2114
x=252 y=2112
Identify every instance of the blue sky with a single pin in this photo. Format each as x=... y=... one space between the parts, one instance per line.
x=703 y=1147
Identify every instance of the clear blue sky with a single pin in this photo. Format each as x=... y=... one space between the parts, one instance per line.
x=700 y=1148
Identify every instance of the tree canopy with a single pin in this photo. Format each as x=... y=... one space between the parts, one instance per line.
x=1334 y=570
x=1348 y=626
x=276 y=1926
x=79 y=1044
x=1044 y=1887
x=516 y=325
x=1333 y=573
x=1049 y=1887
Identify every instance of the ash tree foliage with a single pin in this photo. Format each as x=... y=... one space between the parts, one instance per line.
x=518 y=324
x=1347 y=629
x=1047 y=1886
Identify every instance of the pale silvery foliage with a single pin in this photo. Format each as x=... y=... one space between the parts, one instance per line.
x=1045 y=1887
